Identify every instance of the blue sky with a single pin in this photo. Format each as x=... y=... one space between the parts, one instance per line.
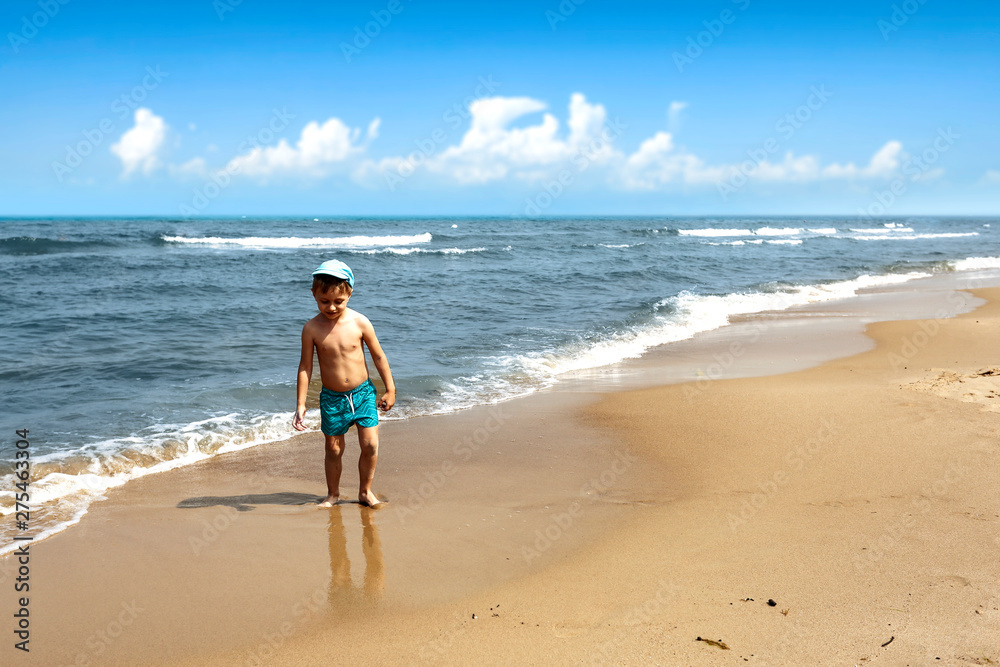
x=734 y=106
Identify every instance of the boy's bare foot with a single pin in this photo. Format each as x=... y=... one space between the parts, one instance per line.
x=329 y=501
x=368 y=499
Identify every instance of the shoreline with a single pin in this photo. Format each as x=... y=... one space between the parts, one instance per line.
x=815 y=341
x=458 y=517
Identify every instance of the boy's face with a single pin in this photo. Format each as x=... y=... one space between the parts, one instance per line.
x=332 y=302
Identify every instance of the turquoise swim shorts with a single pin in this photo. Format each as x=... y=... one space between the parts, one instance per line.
x=340 y=409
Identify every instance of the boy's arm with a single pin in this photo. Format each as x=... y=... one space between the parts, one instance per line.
x=381 y=364
x=302 y=382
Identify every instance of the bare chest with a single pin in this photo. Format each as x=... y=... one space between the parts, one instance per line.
x=341 y=341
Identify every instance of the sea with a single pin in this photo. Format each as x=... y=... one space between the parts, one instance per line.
x=131 y=346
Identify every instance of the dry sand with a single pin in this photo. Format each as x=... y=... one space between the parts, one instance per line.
x=578 y=528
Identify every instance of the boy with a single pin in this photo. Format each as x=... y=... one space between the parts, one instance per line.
x=348 y=395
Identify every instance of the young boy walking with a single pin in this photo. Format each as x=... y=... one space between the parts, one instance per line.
x=348 y=395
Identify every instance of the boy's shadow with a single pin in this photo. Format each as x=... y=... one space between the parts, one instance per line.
x=245 y=503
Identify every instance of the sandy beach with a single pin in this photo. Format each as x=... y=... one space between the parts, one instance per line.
x=686 y=317
x=614 y=520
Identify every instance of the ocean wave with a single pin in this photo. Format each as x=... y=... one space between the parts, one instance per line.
x=690 y=314
x=756 y=242
x=411 y=251
x=265 y=242
x=977 y=263
x=31 y=245
x=715 y=232
x=760 y=231
x=778 y=231
x=611 y=246
x=824 y=231
x=883 y=230
x=69 y=482
x=912 y=237
x=677 y=318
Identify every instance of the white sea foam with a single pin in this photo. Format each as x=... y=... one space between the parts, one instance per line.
x=757 y=242
x=692 y=314
x=913 y=237
x=683 y=316
x=76 y=510
x=715 y=232
x=678 y=317
x=297 y=242
x=882 y=230
x=826 y=231
x=113 y=464
x=778 y=231
x=411 y=251
x=762 y=231
x=977 y=263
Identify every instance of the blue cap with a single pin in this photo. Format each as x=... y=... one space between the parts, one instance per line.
x=337 y=269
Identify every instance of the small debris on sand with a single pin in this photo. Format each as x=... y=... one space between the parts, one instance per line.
x=982 y=386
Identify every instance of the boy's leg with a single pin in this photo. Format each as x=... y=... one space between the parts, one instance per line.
x=368 y=439
x=333 y=464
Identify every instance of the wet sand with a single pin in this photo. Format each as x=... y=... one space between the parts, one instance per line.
x=585 y=525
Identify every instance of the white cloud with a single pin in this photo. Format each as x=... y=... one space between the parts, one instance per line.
x=883 y=164
x=674 y=115
x=928 y=176
x=193 y=167
x=139 y=147
x=505 y=142
x=656 y=163
x=991 y=177
x=319 y=147
x=492 y=150
x=793 y=169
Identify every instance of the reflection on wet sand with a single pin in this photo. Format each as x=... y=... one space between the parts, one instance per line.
x=342 y=589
